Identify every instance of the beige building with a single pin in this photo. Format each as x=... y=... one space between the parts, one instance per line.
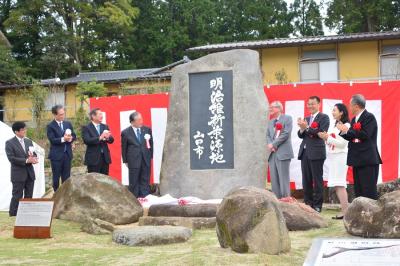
x=360 y=56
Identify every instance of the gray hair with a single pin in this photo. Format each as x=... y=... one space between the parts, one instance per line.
x=133 y=116
x=277 y=104
x=359 y=100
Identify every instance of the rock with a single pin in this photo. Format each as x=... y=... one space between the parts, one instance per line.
x=94 y=196
x=388 y=187
x=97 y=227
x=250 y=112
x=374 y=218
x=299 y=216
x=151 y=235
x=190 y=210
x=189 y=222
x=249 y=220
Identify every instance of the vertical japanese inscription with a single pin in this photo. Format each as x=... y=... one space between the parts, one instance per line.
x=211 y=120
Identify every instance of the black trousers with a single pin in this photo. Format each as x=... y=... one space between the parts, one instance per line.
x=60 y=168
x=20 y=190
x=139 y=180
x=102 y=167
x=313 y=183
x=365 y=180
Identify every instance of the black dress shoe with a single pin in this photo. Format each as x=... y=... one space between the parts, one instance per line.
x=338 y=217
x=317 y=209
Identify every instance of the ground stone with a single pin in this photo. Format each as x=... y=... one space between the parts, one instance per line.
x=151 y=235
x=249 y=220
x=190 y=222
x=374 y=218
x=94 y=195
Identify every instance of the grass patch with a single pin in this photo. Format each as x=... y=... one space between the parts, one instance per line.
x=70 y=246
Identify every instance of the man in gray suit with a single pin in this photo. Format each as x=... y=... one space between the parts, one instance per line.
x=280 y=147
x=21 y=155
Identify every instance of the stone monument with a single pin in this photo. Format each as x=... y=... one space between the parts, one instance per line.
x=216 y=130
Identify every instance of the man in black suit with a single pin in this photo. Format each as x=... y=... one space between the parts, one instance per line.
x=363 y=152
x=20 y=153
x=61 y=136
x=137 y=152
x=97 y=136
x=312 y=153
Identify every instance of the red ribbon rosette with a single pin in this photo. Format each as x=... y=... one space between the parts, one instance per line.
x=278 y=128
x=314 y=125
x=333 y=135
x=357 y=126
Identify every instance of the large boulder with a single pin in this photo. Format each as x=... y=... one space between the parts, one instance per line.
x=388 y=187
x=374 y=218
x=250 y=220
x=300 y=217
x=190 y=210
x=248 y=117
x=94 y=195
x=151 y=235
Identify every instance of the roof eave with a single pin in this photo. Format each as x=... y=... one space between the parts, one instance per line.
x=243 y=45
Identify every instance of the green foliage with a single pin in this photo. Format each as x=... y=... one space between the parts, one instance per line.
x=281 y=76
x=348 y=16
x=37 y=95
x=59 y=38
x=10 y=70
x=306 y=18
x=91 y=89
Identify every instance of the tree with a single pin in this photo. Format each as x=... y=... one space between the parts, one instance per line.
x=348 y=16
x=61 y=37
x=86 y=90
x=166 y=28
x=307 y=19
x=10 y=71
x=37 y=95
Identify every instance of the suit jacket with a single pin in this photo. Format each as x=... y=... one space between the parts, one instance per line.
x=314 y=145
x=364 y=152
x=20 y=170
x=282 y=143
x=134 y=150
x=94 y=146
x=54 y=134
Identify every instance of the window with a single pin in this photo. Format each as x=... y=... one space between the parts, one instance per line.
x=56 y=96
x=319 y=65
x=390 y=62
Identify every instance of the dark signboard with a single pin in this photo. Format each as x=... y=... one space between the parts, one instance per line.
x=211 y=120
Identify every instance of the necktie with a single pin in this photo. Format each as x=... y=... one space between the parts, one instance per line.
x=61 y=126
x=311 y=119
x=22 y=144
x=138 y=135
x=98 y=129
x=275 y=121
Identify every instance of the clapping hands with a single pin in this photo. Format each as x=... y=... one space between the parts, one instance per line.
x=323 y=135
x=302 y=123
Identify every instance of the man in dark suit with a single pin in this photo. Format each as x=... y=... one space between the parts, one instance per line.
x=61 y=136
x=312 y=153
x=363 y=152
x=137 y=152
x=97 y=136
x=20 y=153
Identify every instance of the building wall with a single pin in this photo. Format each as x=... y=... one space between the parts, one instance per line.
x=274 y=60
x=18 y=107
x=358 y=60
